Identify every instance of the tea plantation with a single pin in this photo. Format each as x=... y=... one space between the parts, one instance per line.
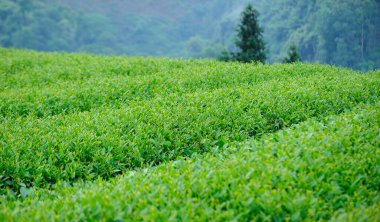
x=96 y=138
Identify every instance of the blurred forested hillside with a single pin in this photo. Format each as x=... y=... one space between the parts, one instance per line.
x=339 y=32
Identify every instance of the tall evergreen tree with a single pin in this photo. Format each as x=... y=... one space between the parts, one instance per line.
x=250 y=38
x=293 y=55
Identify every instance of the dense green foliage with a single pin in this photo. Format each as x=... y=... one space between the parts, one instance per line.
x=314 y=171
x=90 y=121
x=344 y=33
x=174 y=133
x=250 y=38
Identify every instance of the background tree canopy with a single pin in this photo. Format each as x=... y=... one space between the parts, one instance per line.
x=345 y=33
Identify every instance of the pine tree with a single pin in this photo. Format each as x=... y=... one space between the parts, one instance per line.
x=250 y=39
x=293 y=55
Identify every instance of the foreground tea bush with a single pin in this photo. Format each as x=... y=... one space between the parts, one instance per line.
x=214 y=104
x=314 y=171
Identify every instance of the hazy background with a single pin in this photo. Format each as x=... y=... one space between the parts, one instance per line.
x=339 y=32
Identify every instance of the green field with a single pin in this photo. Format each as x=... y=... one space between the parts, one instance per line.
x=86 y=137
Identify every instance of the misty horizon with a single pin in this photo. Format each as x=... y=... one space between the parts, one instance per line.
x=195 y=29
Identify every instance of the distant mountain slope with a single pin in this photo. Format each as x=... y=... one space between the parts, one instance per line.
x=186 y=28
x=160 y=8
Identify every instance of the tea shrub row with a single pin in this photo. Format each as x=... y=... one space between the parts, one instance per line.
x=317 y=170
x=37 y=87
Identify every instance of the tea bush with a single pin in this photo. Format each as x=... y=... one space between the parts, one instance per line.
x=167 y=128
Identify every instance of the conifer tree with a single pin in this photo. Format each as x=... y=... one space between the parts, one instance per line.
x=293 y=55
x=249 y=38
